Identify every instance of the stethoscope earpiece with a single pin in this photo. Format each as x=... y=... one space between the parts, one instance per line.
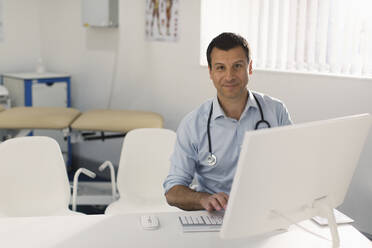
x=212 y=159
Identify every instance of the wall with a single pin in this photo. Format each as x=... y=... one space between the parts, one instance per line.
x=89 y=55
x=21 y=46
x=166 y=78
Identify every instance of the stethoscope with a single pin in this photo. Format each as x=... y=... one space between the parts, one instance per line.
x=212 y=159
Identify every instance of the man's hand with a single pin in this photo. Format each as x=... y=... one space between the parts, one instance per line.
x=187 y=199
x=214 y=202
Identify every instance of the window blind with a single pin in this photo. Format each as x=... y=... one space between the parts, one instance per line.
x=330 y=36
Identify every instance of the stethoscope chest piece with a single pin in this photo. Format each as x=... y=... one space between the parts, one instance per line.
x=211 y=160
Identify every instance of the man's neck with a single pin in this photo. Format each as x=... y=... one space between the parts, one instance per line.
x=234 y=108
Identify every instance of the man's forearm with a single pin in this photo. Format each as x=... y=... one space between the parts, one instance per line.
x=185 y=198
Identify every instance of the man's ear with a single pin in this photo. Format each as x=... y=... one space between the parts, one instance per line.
x=250 y=68
x=210 y=72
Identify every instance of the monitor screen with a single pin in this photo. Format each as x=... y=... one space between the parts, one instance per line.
x=285 y=171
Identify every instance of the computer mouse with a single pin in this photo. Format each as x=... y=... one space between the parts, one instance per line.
x=149 y=222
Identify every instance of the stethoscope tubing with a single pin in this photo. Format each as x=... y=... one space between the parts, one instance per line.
x=212 y=159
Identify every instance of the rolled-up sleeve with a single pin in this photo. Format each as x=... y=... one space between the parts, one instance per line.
x=183 y=159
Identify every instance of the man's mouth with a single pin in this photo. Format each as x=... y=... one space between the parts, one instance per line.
x=230 y=85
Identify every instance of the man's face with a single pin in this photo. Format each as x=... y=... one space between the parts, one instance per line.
x=229 y=72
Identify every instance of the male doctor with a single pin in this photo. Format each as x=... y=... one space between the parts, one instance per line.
x=212 y=158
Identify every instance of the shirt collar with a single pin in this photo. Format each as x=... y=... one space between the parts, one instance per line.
x=218 y=111
x=251 y=101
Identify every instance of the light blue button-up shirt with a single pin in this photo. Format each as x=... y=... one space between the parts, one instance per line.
x=191 y=150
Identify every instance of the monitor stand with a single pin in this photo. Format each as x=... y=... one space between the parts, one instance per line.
x=322 y=205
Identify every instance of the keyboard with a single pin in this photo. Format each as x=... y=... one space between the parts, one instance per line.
x=201 y=223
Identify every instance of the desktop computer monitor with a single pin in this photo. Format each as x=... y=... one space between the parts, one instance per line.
x=293 y=173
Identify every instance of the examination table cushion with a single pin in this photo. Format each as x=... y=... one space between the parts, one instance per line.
x=38 y=117
x=117 y=120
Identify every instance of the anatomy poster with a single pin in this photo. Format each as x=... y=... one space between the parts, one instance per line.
x=1 y=22
x=162 y=22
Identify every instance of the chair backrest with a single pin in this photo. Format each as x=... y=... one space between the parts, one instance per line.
x=144 y=163
x=33 y=177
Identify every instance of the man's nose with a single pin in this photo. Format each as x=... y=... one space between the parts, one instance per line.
x=230 y=74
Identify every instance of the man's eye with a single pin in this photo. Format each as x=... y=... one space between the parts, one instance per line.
x=220 y=68
x=238 y=66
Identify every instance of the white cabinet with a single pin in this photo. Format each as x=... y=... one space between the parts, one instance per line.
x=100 y=13
x=54 y=95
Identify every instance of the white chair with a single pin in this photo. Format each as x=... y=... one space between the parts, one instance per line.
x=144 y=164
x=33 y=178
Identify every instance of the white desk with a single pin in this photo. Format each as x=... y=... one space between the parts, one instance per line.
x=125 y=231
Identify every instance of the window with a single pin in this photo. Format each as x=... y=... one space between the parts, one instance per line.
x=330 y=36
